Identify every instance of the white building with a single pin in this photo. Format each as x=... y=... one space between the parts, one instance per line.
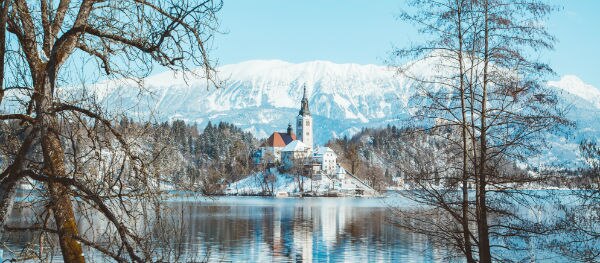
x=289 y=147
x=327 y=158
x=318 y=164
x=340 y=173
x=295 y=150
x=271 y=149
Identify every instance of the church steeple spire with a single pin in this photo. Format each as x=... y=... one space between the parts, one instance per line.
x=304 y=107
x=304 y=123
x=304 y=94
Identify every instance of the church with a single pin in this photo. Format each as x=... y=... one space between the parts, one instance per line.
x=289 y=148
x=296 y=152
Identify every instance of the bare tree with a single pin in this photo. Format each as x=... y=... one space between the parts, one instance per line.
x=590 y=150
x=297 y=165
x=442 y=98
x=486 y=88
x=125 y=38
x=516 y=109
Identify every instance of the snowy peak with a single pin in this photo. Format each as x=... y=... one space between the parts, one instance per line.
x=575 y=86
x=263 y=96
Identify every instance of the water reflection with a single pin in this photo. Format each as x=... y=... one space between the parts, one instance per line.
x=298 y=230
x=255 y=229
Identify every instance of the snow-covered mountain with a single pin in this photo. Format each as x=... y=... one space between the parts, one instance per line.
x=263 y=96
x=583 y=102
x=578 y=90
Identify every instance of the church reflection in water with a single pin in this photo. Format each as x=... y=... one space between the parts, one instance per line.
x=298 y=230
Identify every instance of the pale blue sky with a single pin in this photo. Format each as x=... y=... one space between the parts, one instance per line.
x=359 y=31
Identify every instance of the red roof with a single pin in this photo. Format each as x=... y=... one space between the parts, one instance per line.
x=280 y=139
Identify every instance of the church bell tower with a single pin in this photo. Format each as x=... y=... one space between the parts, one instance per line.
x=304 y=123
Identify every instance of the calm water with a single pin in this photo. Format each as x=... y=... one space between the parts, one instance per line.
x=258 y=229
x=261 y=229
x=254 y=229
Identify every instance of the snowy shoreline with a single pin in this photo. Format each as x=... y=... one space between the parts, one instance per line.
x=287 y=185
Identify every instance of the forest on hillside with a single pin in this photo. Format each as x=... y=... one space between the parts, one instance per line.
x=385 y=157
x=206 y=160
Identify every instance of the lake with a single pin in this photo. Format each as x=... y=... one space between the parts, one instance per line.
x=266 y=229
x=258 y=229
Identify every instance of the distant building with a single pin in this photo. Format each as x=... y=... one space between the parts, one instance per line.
x=294 y=149
x=327 y=158
x=271 y=149
x=340 y=173
x=304 y=123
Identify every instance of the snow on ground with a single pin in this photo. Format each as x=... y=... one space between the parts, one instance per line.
x=254 y=185
x=289 y=184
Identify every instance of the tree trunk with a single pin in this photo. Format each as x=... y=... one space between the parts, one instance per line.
x=8 y=189
x=8 y=186
x=10 y=177
x=54 y=166
x=482 y=224
x=465 y=174
x=3 y=22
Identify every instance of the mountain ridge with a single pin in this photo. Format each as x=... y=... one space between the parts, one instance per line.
x=263 y=96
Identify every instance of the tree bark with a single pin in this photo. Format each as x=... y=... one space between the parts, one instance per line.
x=465 y=174
x=60 y=199
x=8 y=189
x=482 y=224
x=8 y=185
x=9 y=179
x=3 y=23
